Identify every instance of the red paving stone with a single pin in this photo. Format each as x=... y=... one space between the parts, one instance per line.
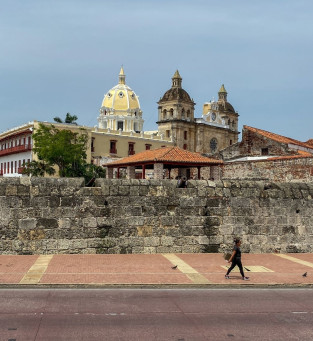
x=13 y=268
x=156 y=270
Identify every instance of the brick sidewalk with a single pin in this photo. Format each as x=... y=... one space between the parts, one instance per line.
x=154 y=270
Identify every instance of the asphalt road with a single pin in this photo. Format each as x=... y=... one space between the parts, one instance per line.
x=146 y=314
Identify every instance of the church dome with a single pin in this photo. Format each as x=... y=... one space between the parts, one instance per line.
x=121 y=97
x=176 y=92
x=222 y=101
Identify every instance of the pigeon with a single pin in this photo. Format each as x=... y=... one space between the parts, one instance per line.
x=305 y=274
x=174 y=267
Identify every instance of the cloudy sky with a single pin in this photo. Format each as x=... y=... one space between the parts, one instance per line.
x=60 y=56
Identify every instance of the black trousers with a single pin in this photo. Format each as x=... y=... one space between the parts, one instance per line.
x=236 y=261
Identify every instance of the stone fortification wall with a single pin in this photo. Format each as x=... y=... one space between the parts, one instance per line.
x=278 y=170
x=40 y=215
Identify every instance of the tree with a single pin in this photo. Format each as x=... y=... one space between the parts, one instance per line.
x=38 y=168
x=63 y=148
x=68 y=119
x=87 y=170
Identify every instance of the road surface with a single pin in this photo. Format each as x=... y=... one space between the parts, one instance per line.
x=147 y=314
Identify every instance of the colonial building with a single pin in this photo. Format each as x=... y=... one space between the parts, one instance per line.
x=268 y=156
x=215 y=130
x=259 y=144
x=119 y=134
x=120 y=130
x=121 y=109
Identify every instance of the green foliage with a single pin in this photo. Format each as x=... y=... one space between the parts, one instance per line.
x=58 y=120
x=68 y=119
x=87 y=170
x=63 y=148
x=38 y=168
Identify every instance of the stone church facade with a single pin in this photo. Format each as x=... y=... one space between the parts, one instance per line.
x=215 y=130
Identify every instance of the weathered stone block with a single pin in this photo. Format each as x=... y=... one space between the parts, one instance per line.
x=90 y=222
x=167 y=241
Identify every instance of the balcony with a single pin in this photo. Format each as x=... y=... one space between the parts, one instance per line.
x=16 y=149
x=113 y=151
x=131 y=152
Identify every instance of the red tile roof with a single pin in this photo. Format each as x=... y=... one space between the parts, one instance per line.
x=173 y=155
x=278 y=138
x=310 y=142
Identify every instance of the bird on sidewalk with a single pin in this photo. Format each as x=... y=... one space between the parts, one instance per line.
x=305 y=274
x=174 y=267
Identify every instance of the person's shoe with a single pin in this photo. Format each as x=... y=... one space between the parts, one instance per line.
x=245 y=278
x=226 y=277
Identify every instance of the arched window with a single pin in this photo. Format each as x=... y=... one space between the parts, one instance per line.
x=188 y=113
x=172 y=113
x=164 y=114
x=183 y=113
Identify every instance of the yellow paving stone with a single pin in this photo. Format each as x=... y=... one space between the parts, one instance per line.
x=252 y=268
x=36 y=271
x=295 y=260
x=186 y=269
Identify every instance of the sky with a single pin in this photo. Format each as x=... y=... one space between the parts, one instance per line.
x=59 y=56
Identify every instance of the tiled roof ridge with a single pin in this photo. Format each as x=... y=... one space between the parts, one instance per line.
x=278 y=136
x=166 y=154
x=169 y=149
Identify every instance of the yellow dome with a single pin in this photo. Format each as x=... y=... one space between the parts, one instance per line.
x=121 y=97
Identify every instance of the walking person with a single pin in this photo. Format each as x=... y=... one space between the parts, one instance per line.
x=235 y=259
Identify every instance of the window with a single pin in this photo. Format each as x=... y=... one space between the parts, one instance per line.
x=148 y=146
x=164 y=114
x=93 y=144
x=172 y=113
x=168 y=133
x=264 y=151
x=213 y=145
x=230 y=142
x=119 y=125
x=185 y=135
x=185 y=146
x=15 y=166
x=19 y=163
x=113 y=147
x=131 y=148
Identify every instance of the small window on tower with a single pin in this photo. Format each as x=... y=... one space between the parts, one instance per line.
x=264 y=151
x=185 y=135
x=168 y=133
